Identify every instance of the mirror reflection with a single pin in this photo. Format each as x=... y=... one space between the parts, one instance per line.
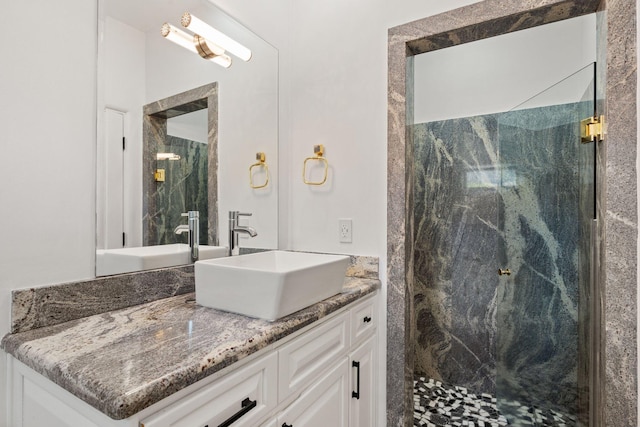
x=182 y=157
x=178 y=133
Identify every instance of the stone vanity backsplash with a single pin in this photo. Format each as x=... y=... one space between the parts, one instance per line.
x=39 y=307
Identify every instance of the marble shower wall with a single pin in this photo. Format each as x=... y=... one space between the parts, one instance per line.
x=184 y=189
x=455 y=250
x=189 y=186
x=481 y=205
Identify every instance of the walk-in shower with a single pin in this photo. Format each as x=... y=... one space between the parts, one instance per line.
x=503 y=213
x=613 y=320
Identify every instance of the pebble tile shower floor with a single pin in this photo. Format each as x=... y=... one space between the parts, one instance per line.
x=438 y=405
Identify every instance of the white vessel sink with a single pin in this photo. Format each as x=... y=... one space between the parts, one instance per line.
x=269 y=285
x=126 y=260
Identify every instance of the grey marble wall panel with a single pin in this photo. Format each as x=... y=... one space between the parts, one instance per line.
x=51 y=305
x=619 y=201
x=212 y=164
x=484 y=19
x=154 y=132
x=456 y=239
x=400 y=311
x=184 y=189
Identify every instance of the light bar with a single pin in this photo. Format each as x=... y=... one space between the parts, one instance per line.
x=214 y=36
x=196 y=44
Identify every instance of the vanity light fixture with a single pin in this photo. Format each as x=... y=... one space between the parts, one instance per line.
x=215 y=37
x=196 y=44
x=167 y=156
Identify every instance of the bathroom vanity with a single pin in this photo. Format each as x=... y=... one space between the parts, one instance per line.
x=171 y=362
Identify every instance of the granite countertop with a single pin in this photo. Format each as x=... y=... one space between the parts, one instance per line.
x=123 y=361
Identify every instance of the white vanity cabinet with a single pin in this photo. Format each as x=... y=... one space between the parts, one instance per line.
x=339 y=381
x=323 y=375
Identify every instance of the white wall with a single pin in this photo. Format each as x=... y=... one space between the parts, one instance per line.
x=497 y=74
x=192 y=126
x=47 y=196
x=338 y=98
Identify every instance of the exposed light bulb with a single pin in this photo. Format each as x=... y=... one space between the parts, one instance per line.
x=214 y=36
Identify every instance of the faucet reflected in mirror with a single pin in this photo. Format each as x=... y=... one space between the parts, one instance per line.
x=193 y=228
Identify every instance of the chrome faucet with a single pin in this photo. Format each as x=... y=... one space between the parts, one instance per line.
x=235 y=228
x=193 y=228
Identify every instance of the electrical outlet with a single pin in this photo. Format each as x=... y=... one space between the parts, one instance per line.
x=345 y=230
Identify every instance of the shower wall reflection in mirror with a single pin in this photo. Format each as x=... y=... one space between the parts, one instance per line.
x=192 y=153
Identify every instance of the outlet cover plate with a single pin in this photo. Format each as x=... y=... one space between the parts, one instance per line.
x=345 y=230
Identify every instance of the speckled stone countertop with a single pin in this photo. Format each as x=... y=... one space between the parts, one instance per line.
x=123 y=361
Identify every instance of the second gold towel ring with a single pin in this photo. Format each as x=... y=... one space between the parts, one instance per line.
x=318 y=150
x=260 y=157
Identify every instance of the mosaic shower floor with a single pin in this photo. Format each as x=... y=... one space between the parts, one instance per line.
x=438 y=405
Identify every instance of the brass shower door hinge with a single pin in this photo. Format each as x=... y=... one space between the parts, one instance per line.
x=592 y=129
x=159 y=175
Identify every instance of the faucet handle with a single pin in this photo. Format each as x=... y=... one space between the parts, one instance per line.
x=233 y=215
x=191 y=214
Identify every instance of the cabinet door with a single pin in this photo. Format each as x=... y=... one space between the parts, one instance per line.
x=241 y=399
x=362 y=363
x=303 y=359
x=322 y=405
x=364 y=319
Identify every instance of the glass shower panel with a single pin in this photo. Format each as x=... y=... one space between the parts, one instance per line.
x=545 y=208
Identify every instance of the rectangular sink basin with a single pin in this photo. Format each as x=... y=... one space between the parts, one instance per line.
x=126 y=260
x=269 y=285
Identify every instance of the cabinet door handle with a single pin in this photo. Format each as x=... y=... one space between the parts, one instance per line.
x=247 y=405
x=356 y=393
x=286 y=425
x=367 y=319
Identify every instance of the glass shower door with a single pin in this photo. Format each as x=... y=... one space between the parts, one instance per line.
x=545 y=208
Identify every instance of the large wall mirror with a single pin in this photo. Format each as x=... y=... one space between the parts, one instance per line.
x=178 y=133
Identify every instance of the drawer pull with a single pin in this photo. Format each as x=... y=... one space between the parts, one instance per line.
x=356 y=394
x=367 y=319
x=247 y=405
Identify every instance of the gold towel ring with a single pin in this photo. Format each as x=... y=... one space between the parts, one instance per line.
x=260 y=157
x=318 y=150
